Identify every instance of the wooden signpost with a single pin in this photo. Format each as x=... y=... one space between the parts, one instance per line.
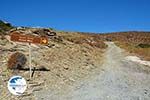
x=18 y=37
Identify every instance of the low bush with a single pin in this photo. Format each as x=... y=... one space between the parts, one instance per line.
x=17 y=61
x=143 y=45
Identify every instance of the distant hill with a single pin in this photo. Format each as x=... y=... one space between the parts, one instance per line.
x=132 y=37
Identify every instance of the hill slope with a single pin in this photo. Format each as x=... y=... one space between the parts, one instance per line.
x=68 y=58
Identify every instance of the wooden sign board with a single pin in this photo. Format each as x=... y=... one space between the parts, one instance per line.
x=18 y=37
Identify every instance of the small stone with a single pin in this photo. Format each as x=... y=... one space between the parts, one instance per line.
x=66 y=67
x=71 y=79
x=145 y=91
x=37 y=89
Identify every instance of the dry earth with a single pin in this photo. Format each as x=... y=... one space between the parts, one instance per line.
x=120 y=79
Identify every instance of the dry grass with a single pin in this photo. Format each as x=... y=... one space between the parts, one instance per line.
x=134 y=42
x=83 y=38
x=132 y=48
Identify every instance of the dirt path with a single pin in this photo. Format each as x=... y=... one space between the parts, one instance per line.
x=119 y=80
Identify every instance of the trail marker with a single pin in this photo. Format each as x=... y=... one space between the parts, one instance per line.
x=18 y=37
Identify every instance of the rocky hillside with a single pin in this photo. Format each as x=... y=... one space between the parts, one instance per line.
x=67 y=58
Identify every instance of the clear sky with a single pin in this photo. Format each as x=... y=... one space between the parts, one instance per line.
x=79 y=15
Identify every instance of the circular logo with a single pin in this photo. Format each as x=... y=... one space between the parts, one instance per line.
x=17 y=85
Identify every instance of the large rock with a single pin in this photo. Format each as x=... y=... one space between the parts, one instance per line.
x=44 y=32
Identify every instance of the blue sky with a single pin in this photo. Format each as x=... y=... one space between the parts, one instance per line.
x=79 y=15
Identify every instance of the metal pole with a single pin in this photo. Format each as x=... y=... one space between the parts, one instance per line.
x=30 y=60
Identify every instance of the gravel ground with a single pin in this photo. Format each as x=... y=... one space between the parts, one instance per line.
x=119 y=79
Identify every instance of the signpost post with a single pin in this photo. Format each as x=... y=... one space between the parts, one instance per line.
x=30 y=60
x=17 y=37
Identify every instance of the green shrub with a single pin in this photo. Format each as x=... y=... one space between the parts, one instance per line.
x=143 y=45
x=5 y=26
